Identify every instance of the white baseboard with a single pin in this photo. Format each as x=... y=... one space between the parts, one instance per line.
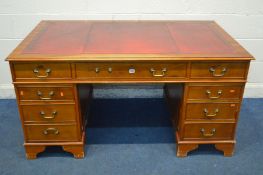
x=253 y=90
x=7 y=91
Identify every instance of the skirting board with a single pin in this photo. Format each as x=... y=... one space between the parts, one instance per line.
x=253 y=90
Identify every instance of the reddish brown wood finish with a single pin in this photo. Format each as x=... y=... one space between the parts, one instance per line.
x=46 y=93
x=208 y=131
x=211 y=112
x=49 y=113
x=183 y=149
x=76 y=150
x=54 y=68
x=58 y=71
x=228 y=92
x=226 y=148
x=32 y=151
x=51 y=132
x=233 y=70
x=131 y=70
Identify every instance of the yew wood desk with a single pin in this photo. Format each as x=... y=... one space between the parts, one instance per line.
x=204 y=71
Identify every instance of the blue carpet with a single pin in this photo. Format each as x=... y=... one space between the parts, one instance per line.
x=133 y=136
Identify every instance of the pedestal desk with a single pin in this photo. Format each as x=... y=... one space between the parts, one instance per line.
x=203 y=70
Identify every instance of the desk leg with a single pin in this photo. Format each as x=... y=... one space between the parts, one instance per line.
x=32 y=151
x=76 y=150
x=183 y=149
x=227 y=148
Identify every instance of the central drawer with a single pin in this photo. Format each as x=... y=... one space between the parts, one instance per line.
x=131 y=70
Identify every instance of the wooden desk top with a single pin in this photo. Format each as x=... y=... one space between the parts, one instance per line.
x=128 y=40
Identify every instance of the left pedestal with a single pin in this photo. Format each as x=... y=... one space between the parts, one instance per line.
x=53 y=115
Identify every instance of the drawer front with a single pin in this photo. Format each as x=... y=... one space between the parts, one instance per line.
x=41 y=71
x=45 y=93
x=131 y=70
x=49 y=133
x=209 y=131
x=215 y=93
x=49 y=113
x=219 y=70
x=211 y=111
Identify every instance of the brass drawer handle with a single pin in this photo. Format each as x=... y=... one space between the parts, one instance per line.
x=211 y=114
x=51 y=131
x=51 y=93
x=36 y=71
x=213 y=71
x=110 y=70
x=53 y=115
x=212 y=133
x=153 y=71
x=97 y=70
x=219 y=93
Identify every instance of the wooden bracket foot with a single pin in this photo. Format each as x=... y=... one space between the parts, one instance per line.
x=183 y=149
x=227 y=148
x=32 y=151
x=76 y=150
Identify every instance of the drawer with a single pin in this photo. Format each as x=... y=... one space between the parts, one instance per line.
x=209 y=131
x=222 y=70
x=131 y=70
x=45 y=93
x=47 y=133
x=41 y=71
x=49 y=113
x=215 y=92
x=211 y=111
